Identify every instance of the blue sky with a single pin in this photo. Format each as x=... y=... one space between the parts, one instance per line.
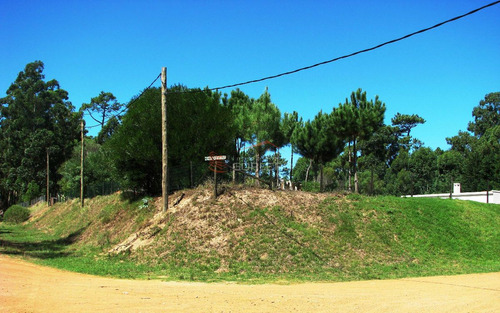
x=120 y=47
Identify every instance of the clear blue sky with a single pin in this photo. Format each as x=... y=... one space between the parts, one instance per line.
x=120 y=47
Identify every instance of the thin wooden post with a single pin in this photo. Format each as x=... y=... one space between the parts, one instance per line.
x=451 y=186
x=82 y=199
x=48 y=181
x=488 y=192
x=164 y=124
x=215 y=179
x=191 y=182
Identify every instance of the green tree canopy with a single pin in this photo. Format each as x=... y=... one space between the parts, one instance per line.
x=406 y=122
x=199 y=123
x=265 y=119
x=36 y=118
x=289 y=123
x=486 y=114
x=102 y=107
x=358 y=119
x=317 y=141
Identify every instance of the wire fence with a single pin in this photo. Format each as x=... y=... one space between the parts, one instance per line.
x=188 y=175
x=33 y=201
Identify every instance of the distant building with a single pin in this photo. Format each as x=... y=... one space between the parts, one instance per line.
x=492 y=196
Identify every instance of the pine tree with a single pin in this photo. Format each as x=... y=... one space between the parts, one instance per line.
x=264 y=127
x=356 y=120
x=317 y=141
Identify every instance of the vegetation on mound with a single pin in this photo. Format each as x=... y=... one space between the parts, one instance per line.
x=16 y=214
x=260 y=235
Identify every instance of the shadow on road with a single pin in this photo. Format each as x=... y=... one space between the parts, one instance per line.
x=43 y=249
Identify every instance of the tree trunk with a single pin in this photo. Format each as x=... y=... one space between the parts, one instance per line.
x=321 y=184
x=308 y=168
x=291 y=164
x=371 y=182
x=257 y=167
x=355 y=157
x=236 y=158
x=350 y=167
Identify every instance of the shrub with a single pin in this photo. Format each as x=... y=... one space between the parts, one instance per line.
x=16 y=214
x=310 y=186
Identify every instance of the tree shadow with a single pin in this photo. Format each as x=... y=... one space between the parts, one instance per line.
x=4 y=231
x=45 y=249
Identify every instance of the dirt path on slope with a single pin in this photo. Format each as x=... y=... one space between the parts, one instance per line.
x=26 y=287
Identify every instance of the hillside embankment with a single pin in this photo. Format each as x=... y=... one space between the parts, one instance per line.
x=257 y=235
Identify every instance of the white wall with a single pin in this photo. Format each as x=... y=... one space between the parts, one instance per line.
x=493 y=196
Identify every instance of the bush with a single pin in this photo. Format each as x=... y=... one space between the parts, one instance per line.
x=310 y=186
x=16 y=214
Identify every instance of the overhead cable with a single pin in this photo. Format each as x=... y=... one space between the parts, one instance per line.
x=357 y=52
x=128 y=105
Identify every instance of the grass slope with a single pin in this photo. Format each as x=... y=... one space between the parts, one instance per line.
x=258 y=235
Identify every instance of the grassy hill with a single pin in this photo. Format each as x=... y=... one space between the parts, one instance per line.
x=260 y=235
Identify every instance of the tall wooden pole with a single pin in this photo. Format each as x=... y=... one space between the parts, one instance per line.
x=164 y=124
x=48 y=181
x=81 y=168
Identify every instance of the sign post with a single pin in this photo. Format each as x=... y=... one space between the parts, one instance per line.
x=217 y=166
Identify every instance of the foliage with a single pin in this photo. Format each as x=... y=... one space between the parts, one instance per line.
x=16 y=214
x=201 y=124
x=406 y=122
x=104 y=107
x=32 y=192
x=36 y=120
x=357 y=120
x=289 y=123
x=317 y=141
x=265 y=129
x=240 y=105
x=300 y=169
x=98 y=169
x=486 y=114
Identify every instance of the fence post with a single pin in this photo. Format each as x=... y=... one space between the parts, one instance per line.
x=48 y=191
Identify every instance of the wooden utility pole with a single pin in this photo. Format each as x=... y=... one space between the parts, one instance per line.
x=81 y=168
x=164 y=124
x=48 y=181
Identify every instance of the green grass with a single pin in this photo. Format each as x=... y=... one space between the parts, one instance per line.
x=341 y=238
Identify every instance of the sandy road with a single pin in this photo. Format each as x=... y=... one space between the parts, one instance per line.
x=25 y=287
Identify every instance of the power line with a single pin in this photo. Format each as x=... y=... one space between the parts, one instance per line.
x=313 y=65
x=128 y=105
x=357 y=52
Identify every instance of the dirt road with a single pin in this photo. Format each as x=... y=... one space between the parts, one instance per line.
x=25 y=287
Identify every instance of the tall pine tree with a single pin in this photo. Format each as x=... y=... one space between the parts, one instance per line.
x=317 y=141
x=357 y=120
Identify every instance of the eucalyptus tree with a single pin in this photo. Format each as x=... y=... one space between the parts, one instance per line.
x=317 y=140
x=357 y=120
x=36 y=120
